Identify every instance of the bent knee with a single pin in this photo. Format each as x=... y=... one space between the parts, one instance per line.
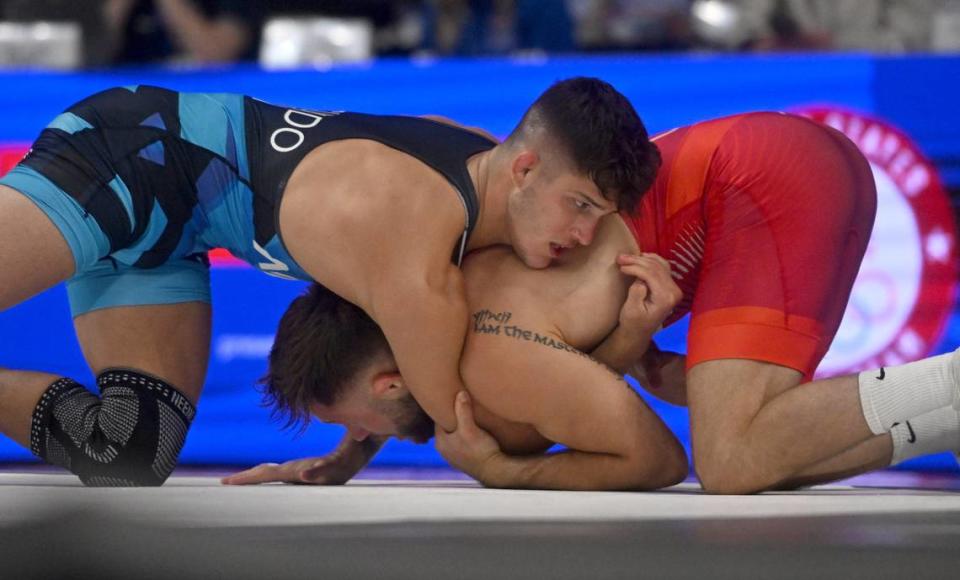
x=676 y=473
x=716 y=486
x=727 y=476
x=130 y=436
x=666 y=471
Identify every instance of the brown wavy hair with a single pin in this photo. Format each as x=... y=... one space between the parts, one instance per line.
x=322 y=343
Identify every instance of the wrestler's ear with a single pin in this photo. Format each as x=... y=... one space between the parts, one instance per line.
x=523 y=163
x=389 y=385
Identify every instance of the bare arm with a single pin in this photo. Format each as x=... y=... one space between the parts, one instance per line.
x=381 y=235
x=219 y=39
x=663 y=374
x=425 y=321
x=115 y=14
x=623 y=349
x=413 y=291
x=650 y=300
x=630 y=349
x=614 y=440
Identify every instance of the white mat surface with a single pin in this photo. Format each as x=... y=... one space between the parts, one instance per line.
x=203 y=502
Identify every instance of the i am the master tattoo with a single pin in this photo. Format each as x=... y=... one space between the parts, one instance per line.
x=496 y=323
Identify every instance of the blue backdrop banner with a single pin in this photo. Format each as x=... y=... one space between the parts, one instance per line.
x=915 y=94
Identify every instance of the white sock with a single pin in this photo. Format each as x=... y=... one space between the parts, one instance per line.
x=933 y=432
x=896 y=394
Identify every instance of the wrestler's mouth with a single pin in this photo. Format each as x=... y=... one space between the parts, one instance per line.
x=557 y=250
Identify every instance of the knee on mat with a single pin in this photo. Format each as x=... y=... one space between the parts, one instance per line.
x=129 y=436
x=724 y=475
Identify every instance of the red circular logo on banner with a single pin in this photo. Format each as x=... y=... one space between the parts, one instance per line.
x=904 y=292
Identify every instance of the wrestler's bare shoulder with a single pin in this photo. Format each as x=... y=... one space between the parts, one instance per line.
x=355 y=212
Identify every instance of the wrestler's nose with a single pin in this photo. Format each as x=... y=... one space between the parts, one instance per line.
x=583 y=231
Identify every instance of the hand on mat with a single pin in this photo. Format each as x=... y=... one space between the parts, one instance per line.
x=332 y=469
x=653 y=294
x=469 y=449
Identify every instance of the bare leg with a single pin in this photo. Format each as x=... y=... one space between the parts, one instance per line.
x=33 y=257
x=872 y=454
x=19 y=393
x=754 y=427
x=169 y=341
x=33 y=254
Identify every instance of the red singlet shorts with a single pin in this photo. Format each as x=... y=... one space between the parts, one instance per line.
x=764 y=218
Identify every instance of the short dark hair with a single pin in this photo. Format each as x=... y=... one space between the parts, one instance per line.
x=322 y=343
x=601 y=133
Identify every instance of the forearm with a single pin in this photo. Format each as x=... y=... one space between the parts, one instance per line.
x=364 y=450
x=579 y=471
x=352 y=456
x=426 y=334
x=203 y=38
x=650 y=299
x=662 y=374
x=622 y=348
x=115 y=14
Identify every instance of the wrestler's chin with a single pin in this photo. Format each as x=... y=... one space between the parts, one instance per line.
x=534 y=261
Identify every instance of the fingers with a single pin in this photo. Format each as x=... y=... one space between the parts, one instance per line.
x=464 y=411
x=469 y=448
x=654 y=272
x=299 y=471
x=652 y=296
x=649 y=265
x=260 y=474
x=624 y=259
x=639 y=291
x=645 y=267
x=466 y=425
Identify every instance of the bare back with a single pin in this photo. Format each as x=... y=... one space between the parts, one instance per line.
x=575 y=303
x=532 y=382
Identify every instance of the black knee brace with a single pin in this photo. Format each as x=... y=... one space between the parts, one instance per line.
x=130 y=436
